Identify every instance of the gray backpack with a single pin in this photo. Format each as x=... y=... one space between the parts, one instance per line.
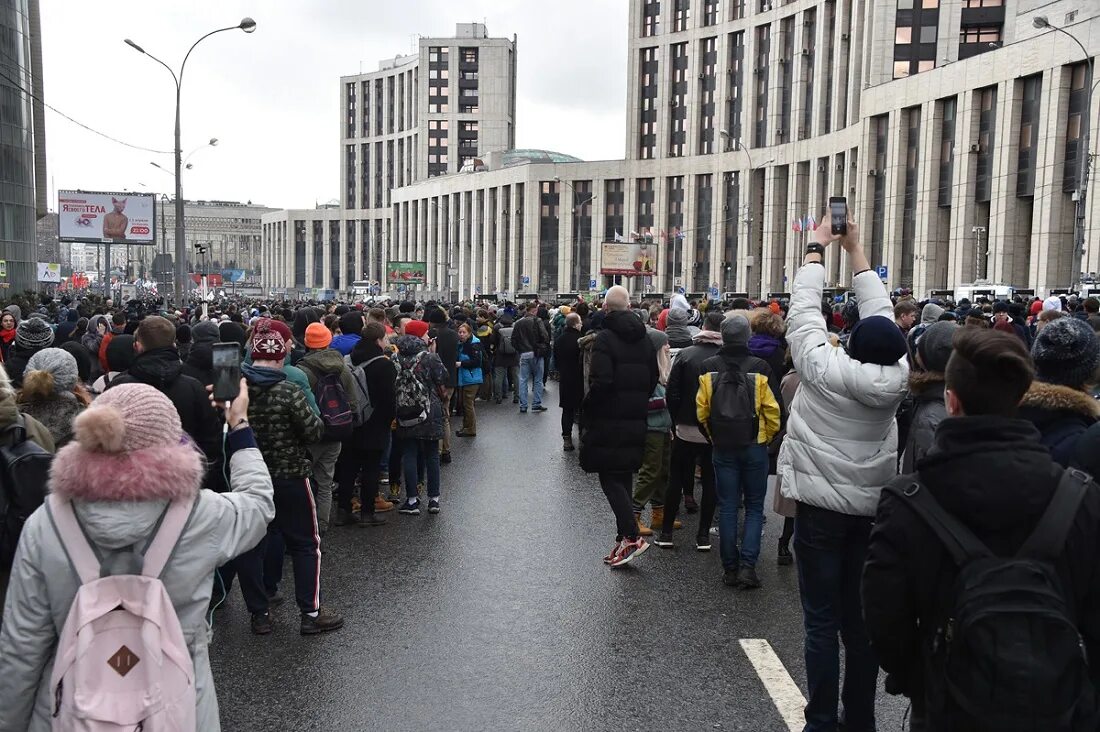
x=364 y=408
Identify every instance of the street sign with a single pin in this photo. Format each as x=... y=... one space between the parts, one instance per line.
x=714 y=293
x=525 y=279
x=592 y=284
x=882 y=272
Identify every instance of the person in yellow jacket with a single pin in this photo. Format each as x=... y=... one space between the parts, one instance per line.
x=739 y=416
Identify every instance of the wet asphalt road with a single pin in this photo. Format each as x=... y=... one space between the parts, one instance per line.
x=497 y=614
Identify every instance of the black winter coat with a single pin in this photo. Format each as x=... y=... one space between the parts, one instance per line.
x=622 y=376
x=1061 y=415
x=380 y=384
x=567 y=358
x=530 y=334
x=994 y=476
x=200 y=363
x=162 y=370
x=446 y=347
x=15 y=363
x=683 y=381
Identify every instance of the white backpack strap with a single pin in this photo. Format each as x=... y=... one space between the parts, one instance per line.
x=80 y=552
x=168 y=535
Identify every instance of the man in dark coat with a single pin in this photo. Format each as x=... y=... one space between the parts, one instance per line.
x=361 y=455
x=199 y=363
x=158 y=365
x=989 y=471
x=622 y=376
x=567 y=358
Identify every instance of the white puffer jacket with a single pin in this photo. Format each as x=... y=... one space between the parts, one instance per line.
x=842 y=438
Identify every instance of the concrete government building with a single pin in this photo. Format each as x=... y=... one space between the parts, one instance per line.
x=953 y=127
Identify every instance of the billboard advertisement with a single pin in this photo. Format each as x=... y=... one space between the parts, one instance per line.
x=126 y=218
x=49 y=272
x=636 y=258
x=406 y=273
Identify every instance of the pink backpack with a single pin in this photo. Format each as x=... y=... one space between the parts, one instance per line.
x=122 y=662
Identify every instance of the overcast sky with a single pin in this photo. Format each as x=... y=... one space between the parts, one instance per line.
x=272 y=97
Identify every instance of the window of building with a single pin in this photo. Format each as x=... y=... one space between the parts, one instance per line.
x=646 y=201
x=651 y=18
x=708 y=88
x=1077 y=108
x=469 y=55
x=786 y=78
x=737 y=9
x=681 y=14
x=947 y=149
x=982 y=3
x=674 y=233
x=986 y=130
x=915 y=29
x=735 y=79
x=613 y=204
x=710 y=12
x=549 y=203
x=928 y=34
x=647 y=115
x=678 y=88
x=903 y=34
x=929 y=4
x=763 y=49
x=978 y=35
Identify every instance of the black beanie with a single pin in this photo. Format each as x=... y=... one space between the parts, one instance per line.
x=436 y=316
x=877 y=340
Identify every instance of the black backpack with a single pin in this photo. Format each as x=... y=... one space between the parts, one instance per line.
x=733 y=422
x=1009 y=656
x=24 y=472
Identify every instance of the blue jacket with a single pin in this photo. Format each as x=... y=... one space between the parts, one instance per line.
x=344 y=343
x=469 y=355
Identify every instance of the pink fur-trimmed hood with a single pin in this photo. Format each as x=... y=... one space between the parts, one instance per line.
x=150 y=474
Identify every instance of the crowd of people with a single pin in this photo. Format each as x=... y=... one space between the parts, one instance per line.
x=914 y=445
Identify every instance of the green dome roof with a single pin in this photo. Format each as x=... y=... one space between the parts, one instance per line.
x=523 y=157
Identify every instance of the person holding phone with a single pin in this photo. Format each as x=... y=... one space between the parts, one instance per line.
x=839 y=451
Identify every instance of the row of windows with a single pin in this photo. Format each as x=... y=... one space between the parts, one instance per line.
x=711 y=13
x=400 y=96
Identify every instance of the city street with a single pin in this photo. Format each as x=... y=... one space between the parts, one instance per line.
x=498 y=614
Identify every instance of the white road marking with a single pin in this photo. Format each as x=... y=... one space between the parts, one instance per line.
x=784 y=692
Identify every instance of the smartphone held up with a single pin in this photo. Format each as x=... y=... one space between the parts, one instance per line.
x=226 y=371
x=838 y=215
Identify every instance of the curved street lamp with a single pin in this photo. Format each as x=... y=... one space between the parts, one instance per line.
x=1041 y=22
x=248 y=25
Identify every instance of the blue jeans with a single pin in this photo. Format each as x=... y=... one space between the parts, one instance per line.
x=530 y=371
x=830 y=548
x=738 y=472
x=420 y=451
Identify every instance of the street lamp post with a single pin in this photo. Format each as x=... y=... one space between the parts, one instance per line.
x=1083 y=157
x=730 y=144
x=574 y=244
x=248 y=26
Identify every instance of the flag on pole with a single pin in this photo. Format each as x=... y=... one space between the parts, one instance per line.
x=679 y=234
x=811 y=222
x=796 y=225
x=618 y=236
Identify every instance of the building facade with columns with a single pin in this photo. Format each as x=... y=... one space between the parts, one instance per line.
x=954 y=129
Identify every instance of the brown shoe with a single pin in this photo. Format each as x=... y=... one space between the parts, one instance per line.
x=381 y=505
x=643 y=530
x=657 y=519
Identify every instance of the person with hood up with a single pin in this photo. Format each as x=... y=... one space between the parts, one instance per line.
x=52 y=392
x=129 y=460
x=118 y=327
x=8 y=330
x=420 y=442
x=622 y=377
x=98 y=325
x=183 y=340
x=120 y=356
x=767 y=342
x=1066 y=354
x=351 y=328
x=157 y=364
x=303 y=317
x=690 y=448
x=567 y=356
x=83 y=361
x=677 y=329
x=319 y=361
x=989 y=473
x=67 y=327
x=199 y=364
x=32 y=335
x=839 y=450
x=926 y=386
x=929 y=314
x=361 y=456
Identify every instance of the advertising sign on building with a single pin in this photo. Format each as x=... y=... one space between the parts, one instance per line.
x=628 y=258
x=125 y=218
x=49 y=272
x=407 y=273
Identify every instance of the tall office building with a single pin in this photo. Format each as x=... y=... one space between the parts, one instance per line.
x=416 y=117
x=955 y=133
x=22 y=141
